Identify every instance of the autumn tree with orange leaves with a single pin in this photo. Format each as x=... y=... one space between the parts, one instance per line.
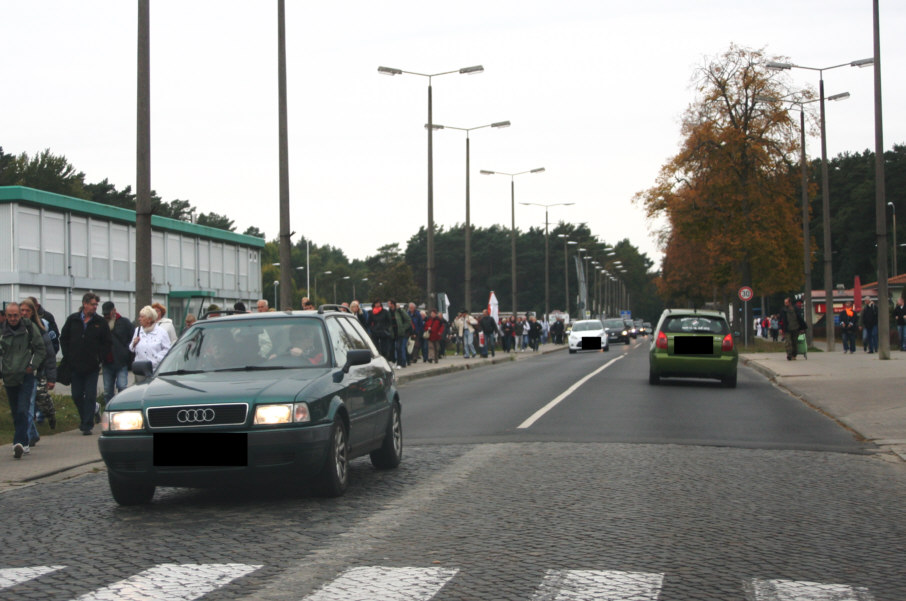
x=730 y=195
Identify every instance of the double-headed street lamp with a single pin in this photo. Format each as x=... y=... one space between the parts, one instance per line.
x=825 y=190
x=430 y=245
x=566 y=241
x=547 y=268
x=512 y=177
x=468 y=282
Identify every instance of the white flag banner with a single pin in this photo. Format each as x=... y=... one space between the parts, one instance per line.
x=494 y=307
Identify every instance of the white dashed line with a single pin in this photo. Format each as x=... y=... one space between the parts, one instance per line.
x=13 y=576
x=797 y=590
x=384 y=584
x=171 y=582
x=599 y=585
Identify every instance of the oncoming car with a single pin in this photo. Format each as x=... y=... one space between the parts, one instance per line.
x=616 y=330
x=588 y=335
x=689 y=343
x=288 y=397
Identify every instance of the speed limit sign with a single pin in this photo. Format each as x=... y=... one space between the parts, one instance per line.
x=746 y=294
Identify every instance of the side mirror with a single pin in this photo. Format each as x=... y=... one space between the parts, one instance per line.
x=142 y=371
x=359 y=357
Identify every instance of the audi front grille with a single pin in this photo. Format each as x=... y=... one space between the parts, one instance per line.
x=192 y=416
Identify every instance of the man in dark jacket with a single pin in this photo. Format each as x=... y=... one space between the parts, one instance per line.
x=418 y=326
x=402 y=329
x=21 y=355
x=488 y=327
x=791 y=323
x=116 y=363
x=849 y=323
x=870 y=325
x=379 y=324
x=85 y=340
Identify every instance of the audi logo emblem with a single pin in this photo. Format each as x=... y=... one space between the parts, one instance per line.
x=195 y=416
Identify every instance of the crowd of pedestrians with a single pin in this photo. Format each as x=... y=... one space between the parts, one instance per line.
x=92 y=344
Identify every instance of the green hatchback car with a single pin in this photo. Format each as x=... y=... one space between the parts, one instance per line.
x=275 y=397
x=691 y=343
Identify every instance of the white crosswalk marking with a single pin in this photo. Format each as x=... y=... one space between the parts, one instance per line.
x=599 y=585
x=384 y=584
x=796 y=590
x=171 y=582
x=13 y=576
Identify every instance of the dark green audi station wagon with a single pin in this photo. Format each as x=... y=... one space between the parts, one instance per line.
x=693 y=343
x=282 y=396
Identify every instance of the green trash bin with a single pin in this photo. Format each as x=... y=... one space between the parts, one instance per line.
x=802 y=345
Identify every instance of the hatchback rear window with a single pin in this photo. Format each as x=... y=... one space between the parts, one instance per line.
x=695 y=324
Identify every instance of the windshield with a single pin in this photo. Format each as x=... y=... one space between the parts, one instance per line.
x=248 y=345
x=696 y=324
x=614 y=324
x=585 y=326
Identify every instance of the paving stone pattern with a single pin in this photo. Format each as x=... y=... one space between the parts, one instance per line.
x=530 y=522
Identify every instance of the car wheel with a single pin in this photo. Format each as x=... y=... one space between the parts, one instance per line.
x=653 y=378
x=729 y=381
x=129 y=493
x=391 y=452
x=335 y=476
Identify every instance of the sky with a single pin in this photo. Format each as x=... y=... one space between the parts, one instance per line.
x=595 y=92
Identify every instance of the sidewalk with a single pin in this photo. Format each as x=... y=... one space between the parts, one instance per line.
x=67 y=454
x=861 y=392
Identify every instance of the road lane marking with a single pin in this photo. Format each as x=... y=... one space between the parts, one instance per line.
x=540 y=413
x=599 y=585
x=795 y=590
x=384 y=584
x=13 y=576
x=172 y=582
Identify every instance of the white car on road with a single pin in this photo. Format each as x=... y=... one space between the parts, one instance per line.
x=588 y=335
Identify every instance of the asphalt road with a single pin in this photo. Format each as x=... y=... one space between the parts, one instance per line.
x=618 y=492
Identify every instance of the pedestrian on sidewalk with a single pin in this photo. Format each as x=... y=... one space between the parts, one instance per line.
x=434 y=330
x=534 y=332
x=45 y=377
x=849 y=325
x=381 y=329
x=899 y=316
x=85 y=341
x=21 y=354
x=402 y=329
x=489 y=328
x=116 y=364
x=870 y=325
x=167 y=324
x=791 y=324
x=775 y=326
x=150 y=341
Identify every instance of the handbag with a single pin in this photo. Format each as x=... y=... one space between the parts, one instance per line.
x=64 y=372
x=426 y=334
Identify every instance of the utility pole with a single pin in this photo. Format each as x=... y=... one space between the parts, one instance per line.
x=143 y=161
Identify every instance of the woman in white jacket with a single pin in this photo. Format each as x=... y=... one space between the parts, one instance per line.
x=151 y=342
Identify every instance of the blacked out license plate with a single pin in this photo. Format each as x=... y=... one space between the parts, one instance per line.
x=590 y=343
x=200 y=449
x=693 y=345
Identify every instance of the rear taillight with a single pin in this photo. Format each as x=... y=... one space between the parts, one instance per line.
x=727 y=344
x=661 y=342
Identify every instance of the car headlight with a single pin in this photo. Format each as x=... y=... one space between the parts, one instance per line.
x=282 y=413
x=119 y=421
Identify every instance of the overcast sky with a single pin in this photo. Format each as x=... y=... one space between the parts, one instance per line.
x=594 y=90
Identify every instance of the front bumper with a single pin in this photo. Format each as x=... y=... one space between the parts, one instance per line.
x=271 y=453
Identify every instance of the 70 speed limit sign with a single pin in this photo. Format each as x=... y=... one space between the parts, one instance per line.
x=746 y=294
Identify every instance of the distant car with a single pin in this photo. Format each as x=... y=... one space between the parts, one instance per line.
x=646 y=326
x=640 y=327
x=588 y=335
x=276 y=397
x=616 y=330
x=689 y=343
x=633 y=330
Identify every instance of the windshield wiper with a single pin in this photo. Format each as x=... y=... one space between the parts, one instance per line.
x=254 y=368
x=181 y=372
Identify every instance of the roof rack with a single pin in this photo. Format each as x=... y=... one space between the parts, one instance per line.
x=220 y=312
x=331 y=307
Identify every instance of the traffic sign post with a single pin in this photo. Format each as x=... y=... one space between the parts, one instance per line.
x=745 y=295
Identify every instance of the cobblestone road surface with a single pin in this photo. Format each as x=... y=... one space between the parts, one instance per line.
x=525 y=521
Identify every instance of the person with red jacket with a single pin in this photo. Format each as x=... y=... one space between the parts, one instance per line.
x=434 y=327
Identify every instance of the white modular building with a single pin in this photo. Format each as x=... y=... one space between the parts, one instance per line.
x=56 y=248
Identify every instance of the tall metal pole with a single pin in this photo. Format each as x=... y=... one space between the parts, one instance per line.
x=806 y=242
x=468 y=290
x=566 y=271
x=429 y=303
x=143 y=160
x=547 y=270
x=286 y=274
x=893 y=231
x=513 y=238
x=880 y=206
x=828 y=252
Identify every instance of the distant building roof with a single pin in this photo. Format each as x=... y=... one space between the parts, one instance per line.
x=24 y=195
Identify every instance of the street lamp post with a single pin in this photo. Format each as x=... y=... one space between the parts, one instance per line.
x=894 y=232
x=566 y=241
x=547 y=268
x=276 y=285
x=430 y=241
x=512 y=177
x=468 y=232
x=825 y=190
